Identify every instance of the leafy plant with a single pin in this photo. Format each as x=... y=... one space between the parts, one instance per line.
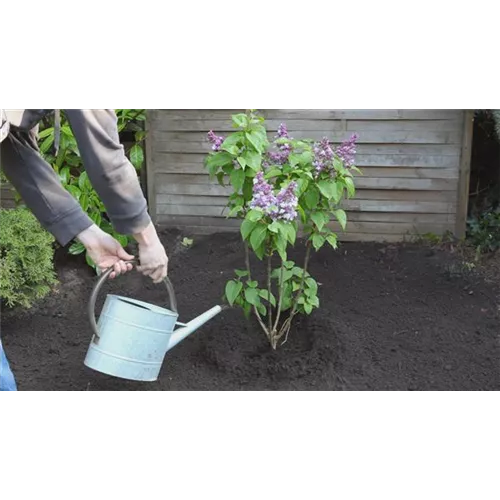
x=26 y=258
x=483 y=232
x=187 y=242
x=274 y=186
x=67 y=163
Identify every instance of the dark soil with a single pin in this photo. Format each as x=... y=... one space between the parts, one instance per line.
x=392 y=318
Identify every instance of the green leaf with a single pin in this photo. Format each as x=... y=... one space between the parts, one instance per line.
x=273 y=172
x=235 y=210
x=319 y=219
x=237 y=178
x=341 y=217
x=232 y=141
x=45 y=133
x=233 y=289
x=262 y=309
x=312 y=285
x=257 y=139
x=274 y=227
x=254 y=215
x=303 y=184
x=252 y=296
x=76 y=248
x=84 y=201
x=247 y=309
x=82 y=181
x=332 y=240
x=240 y=273
x=252 y=159
x=288 y=231
x=305 y=157
x=242 y=162
x=303 y=216
x=351 y=190
x=286 y=297
x=311 y=198
x=258 y=236
x=318 y=241
x=64 y=175
x=289 y=264
x=328 y=189
x=137 y=156
x=90 y=262
x=252 y=284
x=220 y=159
x=247 y=227
x=259 y=252
x=270 y=298
x=96 y=217
x=308 y=308
x=75 y=192
x=339 y=192
x=240 y=120
x=357 y=170
x=314 y=301
x=281 y=248
x=44 y=147
x=248 y=189
x=293 y=159
x=220 y=178
x=234 y=150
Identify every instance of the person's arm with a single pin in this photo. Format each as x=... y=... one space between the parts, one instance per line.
x=115 y=181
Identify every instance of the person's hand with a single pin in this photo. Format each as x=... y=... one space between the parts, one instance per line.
x=105 y=251
x=152 y=255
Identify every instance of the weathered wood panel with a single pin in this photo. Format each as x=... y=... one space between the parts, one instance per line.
x=411 y=162
x=7 y=196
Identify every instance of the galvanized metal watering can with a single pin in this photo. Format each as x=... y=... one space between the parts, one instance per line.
x=132 y=337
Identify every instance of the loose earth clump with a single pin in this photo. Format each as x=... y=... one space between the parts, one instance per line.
x=391 y=318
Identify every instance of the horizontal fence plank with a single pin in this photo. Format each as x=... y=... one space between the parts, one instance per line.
x=205 y=188
x=438 y=207
x=313 y=114
x=367 y=233
x=193 y=142
x=162 y=167
x=303 y=127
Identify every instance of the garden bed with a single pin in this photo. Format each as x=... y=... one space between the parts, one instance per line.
x=402 y=317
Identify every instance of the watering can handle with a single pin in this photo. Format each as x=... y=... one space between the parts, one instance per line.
x=104 y=276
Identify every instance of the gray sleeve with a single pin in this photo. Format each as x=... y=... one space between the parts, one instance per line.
x=109 y=170
x=40 y=187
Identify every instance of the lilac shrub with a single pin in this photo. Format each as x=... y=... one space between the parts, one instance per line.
x=278 y=186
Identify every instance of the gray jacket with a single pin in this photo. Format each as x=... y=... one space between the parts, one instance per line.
x=104 y=159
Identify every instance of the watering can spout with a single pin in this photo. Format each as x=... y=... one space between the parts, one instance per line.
x=181 y=333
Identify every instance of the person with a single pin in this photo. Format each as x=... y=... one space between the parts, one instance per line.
x=114 y=179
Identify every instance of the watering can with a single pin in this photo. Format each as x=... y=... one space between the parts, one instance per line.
x=132 y=337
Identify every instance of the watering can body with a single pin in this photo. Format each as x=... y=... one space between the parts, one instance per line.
x=132 y=337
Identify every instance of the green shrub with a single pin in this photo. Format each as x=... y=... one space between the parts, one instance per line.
x=26 y=258
x=483 y=232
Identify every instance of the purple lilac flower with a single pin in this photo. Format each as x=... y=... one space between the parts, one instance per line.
x=263 y=196
x=347 y=151
x=323 y=155
x=287 y=203
x=282 y=132
x=281 y=156
x=280 y=207
x=215 y=140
